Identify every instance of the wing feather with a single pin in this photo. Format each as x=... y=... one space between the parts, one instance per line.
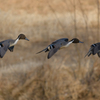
x=42 y=50
x=52 y=52
x=4 y=49
x=89 y=52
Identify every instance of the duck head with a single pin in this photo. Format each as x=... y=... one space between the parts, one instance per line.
x=22 y=36
x=75 y=40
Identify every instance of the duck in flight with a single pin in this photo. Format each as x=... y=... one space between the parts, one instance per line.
x=9 y=44
x=58 y=44
x=94 y=49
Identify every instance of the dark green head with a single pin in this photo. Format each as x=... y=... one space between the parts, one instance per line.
x=22 y=36
x=75 y=40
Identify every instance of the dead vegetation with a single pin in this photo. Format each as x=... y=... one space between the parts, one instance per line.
x=67 y=75
x=45 y=82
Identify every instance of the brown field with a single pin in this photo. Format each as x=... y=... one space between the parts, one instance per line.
x=25 y=75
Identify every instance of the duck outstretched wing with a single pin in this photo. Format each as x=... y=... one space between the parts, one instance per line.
x=52 y=52
x=4 y=49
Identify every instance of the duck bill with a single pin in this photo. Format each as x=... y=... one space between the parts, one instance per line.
x=26 y=39
x=81 y=42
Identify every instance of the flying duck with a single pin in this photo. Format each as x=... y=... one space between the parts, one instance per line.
x=94 y=49
x=58 y=44
x=9 y=44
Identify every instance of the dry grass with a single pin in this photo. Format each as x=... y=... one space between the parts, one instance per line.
x=30 y=81
x=67 y=75
x=30 y=18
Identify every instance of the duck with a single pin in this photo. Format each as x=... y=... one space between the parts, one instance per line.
x=9 y=44
x=57 y=45
x=94 y=49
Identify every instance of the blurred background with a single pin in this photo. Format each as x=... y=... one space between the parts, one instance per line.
x=25 y=75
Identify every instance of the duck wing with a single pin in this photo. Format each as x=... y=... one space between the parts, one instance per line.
x=56 y=46
x=52 y=52
x=98 y=54
x=11 y=48
x=4 y=49
x=95 y=48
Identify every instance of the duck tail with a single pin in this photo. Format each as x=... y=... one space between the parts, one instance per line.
x=40 y=51
x=89 y=53
x=46 y=49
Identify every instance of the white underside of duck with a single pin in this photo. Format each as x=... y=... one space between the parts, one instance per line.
x=14 y=42
x=69 y=43
x=66 y=45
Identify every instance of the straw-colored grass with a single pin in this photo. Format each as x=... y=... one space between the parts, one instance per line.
x=44 y=20
x=67 y=75
x=30 y=81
